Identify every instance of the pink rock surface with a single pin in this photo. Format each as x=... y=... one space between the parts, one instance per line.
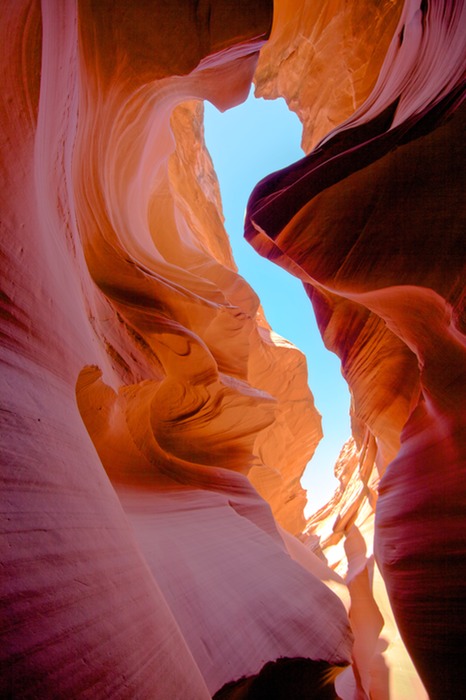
x=136 y=363
x=149 y=412
x=373 y=223
x=237 y=596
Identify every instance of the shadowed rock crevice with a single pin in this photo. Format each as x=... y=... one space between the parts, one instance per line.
x=283 y=679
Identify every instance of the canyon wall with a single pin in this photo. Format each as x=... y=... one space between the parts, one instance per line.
x=154 y=427
x=372 y=221
x=139 y=378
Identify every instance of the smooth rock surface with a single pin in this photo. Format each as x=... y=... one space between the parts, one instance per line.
x=154 y=428
x=373 y=221
x=123 y=314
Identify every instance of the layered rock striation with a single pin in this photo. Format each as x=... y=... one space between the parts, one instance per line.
x=139 y=378
x=154 y=428
x=372 y=221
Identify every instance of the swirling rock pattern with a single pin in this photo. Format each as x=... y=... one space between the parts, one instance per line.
x=373 y=221
x=154 y=428
x=140 y=380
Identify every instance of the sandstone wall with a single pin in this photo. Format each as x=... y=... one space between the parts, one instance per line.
x=372 y=221
x=138 y=374
x=154 y=428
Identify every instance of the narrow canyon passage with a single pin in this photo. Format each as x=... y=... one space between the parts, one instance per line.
x=155 y=427
x=246 y=143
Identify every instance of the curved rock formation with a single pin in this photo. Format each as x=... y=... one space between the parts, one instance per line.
x=324 y=58
x=154 y=428
x=123 y=314
x=372 y=221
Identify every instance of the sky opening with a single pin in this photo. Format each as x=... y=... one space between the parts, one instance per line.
x=247 y=143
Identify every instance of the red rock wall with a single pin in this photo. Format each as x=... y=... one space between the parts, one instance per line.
x=141 y=385
x=373 y=223
x=138 y=374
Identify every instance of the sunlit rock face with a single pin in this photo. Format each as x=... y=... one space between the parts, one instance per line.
x=154 y=428
x=140 y=382
x=324 y=58
x=373 y=221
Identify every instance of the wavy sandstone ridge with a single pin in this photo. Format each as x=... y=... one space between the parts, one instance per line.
x=154 y=428
x=164 y=575
x=372 y=221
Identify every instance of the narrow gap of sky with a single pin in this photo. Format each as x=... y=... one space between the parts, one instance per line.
x=247 y=143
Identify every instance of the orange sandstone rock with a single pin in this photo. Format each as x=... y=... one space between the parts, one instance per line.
x=324 y=58
x=372 y=221
x=144 y=396
x=138 y=372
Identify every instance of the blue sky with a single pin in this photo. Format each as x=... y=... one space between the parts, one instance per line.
x=246 y=143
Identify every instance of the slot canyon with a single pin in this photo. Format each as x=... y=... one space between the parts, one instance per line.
x=155 y=428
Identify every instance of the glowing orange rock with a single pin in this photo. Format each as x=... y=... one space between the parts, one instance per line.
x=142 y=389
x=324 y=59
x=373 y=222
x=123 y=309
